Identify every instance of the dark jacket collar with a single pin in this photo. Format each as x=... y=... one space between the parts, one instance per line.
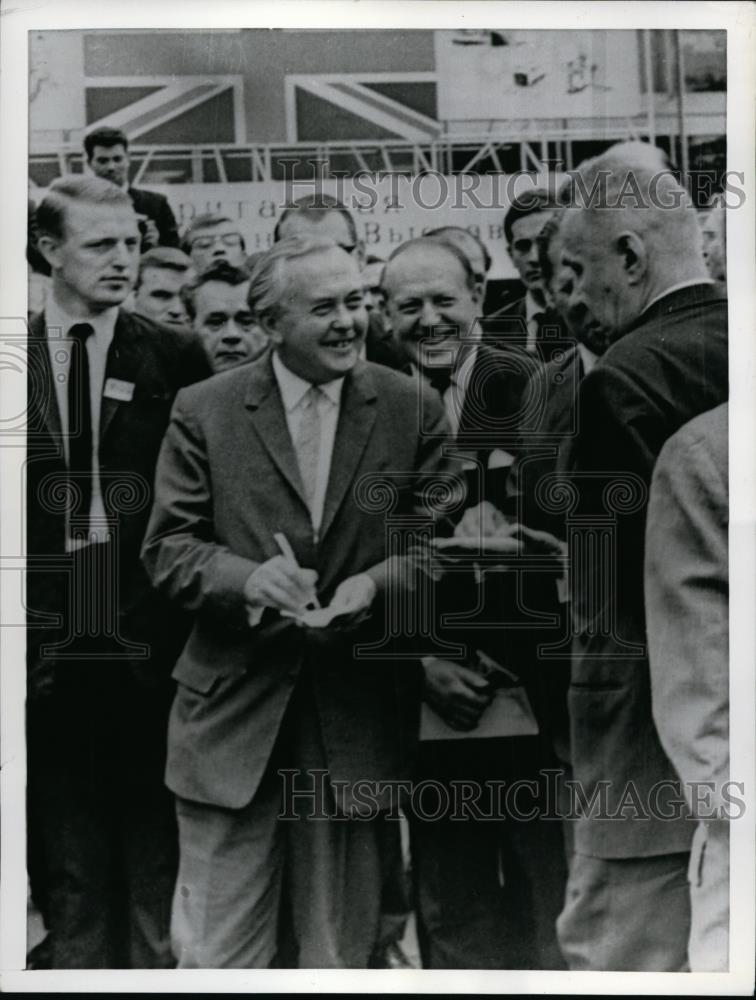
x=690 y=297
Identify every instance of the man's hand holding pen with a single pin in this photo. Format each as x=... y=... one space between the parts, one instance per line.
x=281 y=584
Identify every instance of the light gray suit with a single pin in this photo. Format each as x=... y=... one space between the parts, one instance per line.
x=687 y=614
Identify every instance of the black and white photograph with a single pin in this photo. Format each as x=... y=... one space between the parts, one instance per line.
x=373 y=377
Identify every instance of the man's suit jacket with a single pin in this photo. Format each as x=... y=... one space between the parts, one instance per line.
x=227 y=480
x=489 y=415
x=544 y=435
x=156 y=206
x=507 y=328
x=488 y=426
x=157 y=361
x=669 y=368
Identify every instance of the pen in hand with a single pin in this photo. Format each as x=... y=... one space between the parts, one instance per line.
x=288 y=553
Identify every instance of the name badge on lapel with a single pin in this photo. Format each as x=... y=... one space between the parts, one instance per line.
x=116 y=388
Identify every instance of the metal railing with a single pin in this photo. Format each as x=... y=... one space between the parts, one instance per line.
x=491 y=147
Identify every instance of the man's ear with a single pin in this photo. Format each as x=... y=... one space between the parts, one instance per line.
x=50 y=248
x=271 y=326
x=632 y=250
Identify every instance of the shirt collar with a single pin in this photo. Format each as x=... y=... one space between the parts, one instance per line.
x=588 y=357
x=293 y=388
x=676 y=288
x=58 y=318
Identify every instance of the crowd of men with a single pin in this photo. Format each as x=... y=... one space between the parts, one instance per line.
x=320 y=553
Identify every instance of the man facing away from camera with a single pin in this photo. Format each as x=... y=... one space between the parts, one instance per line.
x=275 y=490
x=637 y=267
x=100 y=643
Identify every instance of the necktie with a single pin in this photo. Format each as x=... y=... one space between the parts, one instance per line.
x=307 y=443
x=79 y=423
x=534 y=330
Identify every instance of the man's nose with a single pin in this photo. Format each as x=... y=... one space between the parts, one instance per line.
x=430 y=317
x=123 y=255
x=343 y=317
x=231 y=333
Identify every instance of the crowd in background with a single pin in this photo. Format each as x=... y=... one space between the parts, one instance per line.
x=577 y=584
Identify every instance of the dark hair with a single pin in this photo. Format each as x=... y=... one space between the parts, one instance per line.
x=51 y=211
x=424 y=241
x=165 y=259
x=443 y=232
x=528 y=203
x=104 y=137
x=315 y=206
x=206 y=221
x=220 y=271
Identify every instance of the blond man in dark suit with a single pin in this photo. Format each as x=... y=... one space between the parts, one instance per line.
x=99 y=645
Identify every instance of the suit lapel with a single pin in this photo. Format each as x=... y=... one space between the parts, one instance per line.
x=125 y=358
x=263 y=401
x=356 y=419
x=476 y=382
x=42 y=391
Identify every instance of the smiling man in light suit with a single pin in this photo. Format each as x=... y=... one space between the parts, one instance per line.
x=291 y=443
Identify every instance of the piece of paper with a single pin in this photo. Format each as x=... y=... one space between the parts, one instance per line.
x=499 y=459
x=497 y=544
x=323 y=617
x=509 y=714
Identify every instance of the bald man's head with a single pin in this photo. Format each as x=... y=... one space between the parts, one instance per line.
x=628 y=233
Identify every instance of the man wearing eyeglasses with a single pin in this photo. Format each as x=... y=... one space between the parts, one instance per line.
x=212 y=238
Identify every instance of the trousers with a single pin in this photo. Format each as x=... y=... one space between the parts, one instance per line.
x=101 y=826
x=626 y=914
x=285 y=881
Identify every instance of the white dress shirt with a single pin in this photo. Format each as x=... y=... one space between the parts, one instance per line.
x=293 y=390
x=58 y=322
